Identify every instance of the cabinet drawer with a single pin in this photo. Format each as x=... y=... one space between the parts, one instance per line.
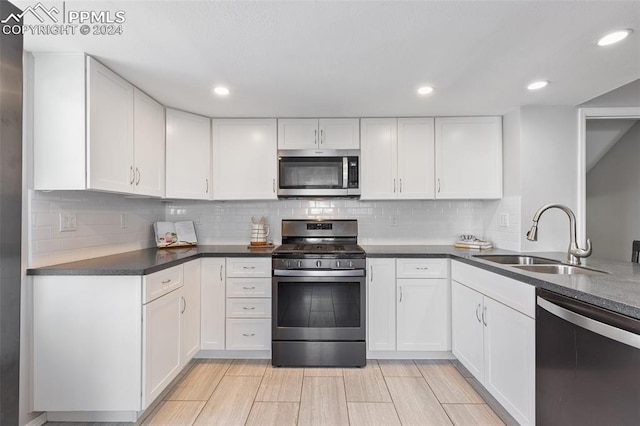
x=160 y=283
x=249 y=287
x=248 y=308
x=248 y=267
x=421 y=268
x=248 y=334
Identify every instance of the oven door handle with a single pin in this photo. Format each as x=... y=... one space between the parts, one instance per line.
x=315 y=273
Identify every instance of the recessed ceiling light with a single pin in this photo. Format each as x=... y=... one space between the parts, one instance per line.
x=222 y=91
x=613 y=37
x=425 y=90
x=537 y=85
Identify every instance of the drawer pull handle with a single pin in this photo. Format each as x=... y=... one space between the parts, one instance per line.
x=166 y=281
x=249 y=335
x=424 y=268
x=249 y=267
x=248 y=308
x=249 y=288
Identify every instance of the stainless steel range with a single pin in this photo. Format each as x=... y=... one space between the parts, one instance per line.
x=319 y=295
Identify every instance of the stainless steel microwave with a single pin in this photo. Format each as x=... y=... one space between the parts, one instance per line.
x=319 y=173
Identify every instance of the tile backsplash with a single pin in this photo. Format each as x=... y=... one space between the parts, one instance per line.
x=380 y=222
x=100 y=230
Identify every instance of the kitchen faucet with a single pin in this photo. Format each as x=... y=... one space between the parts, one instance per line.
x=574 y=253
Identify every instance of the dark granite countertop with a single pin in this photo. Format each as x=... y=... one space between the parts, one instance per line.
x=147 y=261
x=618 y=290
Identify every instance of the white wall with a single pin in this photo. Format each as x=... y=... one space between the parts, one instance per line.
x=548 y=170
x=613 y=199
x=624 y=96
x=507 y=237
x=418 y=222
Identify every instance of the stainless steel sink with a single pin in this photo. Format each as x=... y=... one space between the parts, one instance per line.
x=559 y=269
x=517 y=259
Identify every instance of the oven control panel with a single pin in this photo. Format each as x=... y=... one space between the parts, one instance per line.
x=310 y=263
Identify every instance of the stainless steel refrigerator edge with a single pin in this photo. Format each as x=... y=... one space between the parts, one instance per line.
x=11 y=47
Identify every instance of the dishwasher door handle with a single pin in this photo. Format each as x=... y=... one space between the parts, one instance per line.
x=606 y=330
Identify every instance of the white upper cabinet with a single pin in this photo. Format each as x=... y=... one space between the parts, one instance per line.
x=397 y=158
x=378 y=154
x=93 y=129
x=109 y=130
x=415 y=158
x=313 y=133
x=148 y=136
x=244 y=159
x=468 y=157
x=188 y=154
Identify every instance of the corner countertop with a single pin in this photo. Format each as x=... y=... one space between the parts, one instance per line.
x=147 y=261
x=618 y=290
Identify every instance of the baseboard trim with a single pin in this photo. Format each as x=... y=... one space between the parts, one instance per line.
x=410 y=355
x=38 y=421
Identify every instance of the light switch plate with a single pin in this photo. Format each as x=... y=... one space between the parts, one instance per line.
x=68 y=222
x=504 y=220
x=124 y=221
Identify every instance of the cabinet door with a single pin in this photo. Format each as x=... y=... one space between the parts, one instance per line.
x=190 y=324
x=161 y=344
x=423 y=315
x=509 y=374
x=339 y=133
x=245 y=159
x=381 y=304
x=415 y=158
x=468 y=157
x=298 y=133
x=212 y=302
x=378 y=152
x=467 y=329
x=109 y=130
x=148 y=138
x=188 y=156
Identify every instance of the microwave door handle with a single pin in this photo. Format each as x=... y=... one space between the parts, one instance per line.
x=345 y=172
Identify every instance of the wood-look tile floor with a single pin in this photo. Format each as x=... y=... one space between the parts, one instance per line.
x=385 y=392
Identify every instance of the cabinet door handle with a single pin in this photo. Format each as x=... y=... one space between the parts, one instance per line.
x=207 y=182
x=137 y=176
x=249 y=288
x=220 y=272
x=371 y=267
x=438 y=184
x=394 y=185
x=248 y=308
x=166 y=281
x=315 y=137
x=478 y=313
x=484 y=316
x=321 y=136
x=400 y=293
x=249 y=334
x=400 y=184
x=131 y=175
x=184 y=304
x=274 y=185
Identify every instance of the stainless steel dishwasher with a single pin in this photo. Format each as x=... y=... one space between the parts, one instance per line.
x=587 y=364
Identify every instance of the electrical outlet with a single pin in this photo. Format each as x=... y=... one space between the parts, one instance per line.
x=504 y=220
x=124 y=221
x=68 y=222
x=394 y=221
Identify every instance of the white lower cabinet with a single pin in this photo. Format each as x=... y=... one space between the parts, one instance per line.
x=212 y=302
x=161 y=343
x=408 y=305
x=494 y=336
x=248 y=304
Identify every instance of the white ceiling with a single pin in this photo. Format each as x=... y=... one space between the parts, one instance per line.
x=358 y=58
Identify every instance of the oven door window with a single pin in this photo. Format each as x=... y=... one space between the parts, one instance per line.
x=319 y=304
x=311 y=173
